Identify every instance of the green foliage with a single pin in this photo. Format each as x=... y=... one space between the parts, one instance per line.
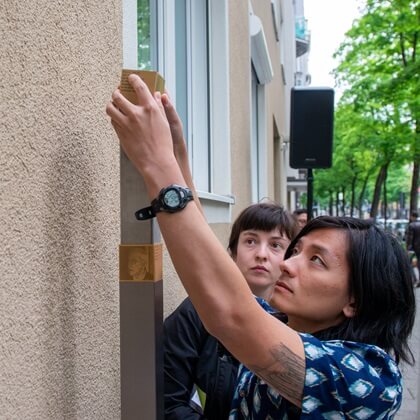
x=144 y=60
x=376 y=121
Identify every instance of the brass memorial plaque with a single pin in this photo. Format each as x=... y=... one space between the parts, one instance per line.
x=141 y=262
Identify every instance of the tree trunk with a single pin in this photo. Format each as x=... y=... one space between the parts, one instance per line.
x=331 y=203
x=415 y=177
x=337 y=203
x=353 y=195
x=414 y=187
x=377 y=192
x=343 y=203
x=362 y=193
x=385 y=201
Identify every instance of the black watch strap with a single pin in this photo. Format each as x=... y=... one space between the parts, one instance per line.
x=182 y=194
x=145 y=213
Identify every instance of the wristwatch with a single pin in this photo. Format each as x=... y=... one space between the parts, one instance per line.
x=170 y=199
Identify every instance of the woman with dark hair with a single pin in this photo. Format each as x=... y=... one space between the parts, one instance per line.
x=384 y=303
x=336 y=270
x=348 y=371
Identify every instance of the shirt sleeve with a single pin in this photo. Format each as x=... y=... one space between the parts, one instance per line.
x=349 y=380
x=183 y=337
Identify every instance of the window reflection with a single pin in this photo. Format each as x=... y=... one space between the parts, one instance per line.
x=144 y=35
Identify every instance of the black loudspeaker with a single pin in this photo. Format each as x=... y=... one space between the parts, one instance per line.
x=311 y=127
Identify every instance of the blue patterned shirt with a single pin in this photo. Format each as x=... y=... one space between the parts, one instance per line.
x=344 y=380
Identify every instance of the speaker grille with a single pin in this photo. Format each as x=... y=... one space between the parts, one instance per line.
x=311 y=127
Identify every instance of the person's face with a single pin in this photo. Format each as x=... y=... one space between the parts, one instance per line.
x=302 y=219
x=258 y=256
x=313 y=288
x=137 y=264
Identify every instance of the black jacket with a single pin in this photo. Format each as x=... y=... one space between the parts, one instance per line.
x=413 y=237
x=193 y=357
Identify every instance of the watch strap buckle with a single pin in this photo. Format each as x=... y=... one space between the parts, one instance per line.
x=145 y=213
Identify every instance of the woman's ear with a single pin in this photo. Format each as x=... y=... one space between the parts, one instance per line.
x=349 y=310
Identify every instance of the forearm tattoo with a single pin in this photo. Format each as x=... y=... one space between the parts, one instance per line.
x=286 y=373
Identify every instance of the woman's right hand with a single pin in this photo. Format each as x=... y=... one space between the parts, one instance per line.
x=145 y=136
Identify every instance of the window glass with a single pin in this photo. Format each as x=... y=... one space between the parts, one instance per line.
x=146 y=34
x=192 y=84
x=255 y=170
x=181 y=63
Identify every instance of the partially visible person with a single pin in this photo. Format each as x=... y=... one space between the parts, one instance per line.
x=412 y=239
x=345 y=286
x=301 y=216
x=195 y=359
x=351 y=360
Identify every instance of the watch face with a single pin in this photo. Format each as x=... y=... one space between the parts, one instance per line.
x=172 y=199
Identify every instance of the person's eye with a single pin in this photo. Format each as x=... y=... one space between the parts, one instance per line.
x=317 y=260
x=295 y=251
x=277 y=245
x=250 y=241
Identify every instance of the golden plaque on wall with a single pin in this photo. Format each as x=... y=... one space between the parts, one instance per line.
x=141 y=262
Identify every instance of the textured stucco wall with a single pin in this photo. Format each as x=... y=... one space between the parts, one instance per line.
x=59 y=210
x=59 y=203
x=240 y=105
x=240 y=91
x=275 y=91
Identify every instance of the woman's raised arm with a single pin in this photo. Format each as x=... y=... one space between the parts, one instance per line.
x=214 y=283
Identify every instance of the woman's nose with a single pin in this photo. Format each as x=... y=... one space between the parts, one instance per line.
x=288 y=266
x=261 y=251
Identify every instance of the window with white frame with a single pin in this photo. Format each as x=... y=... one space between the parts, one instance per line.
x=261 y=74
x=258 y=142
x=187 y=42
x=140 y=40
x=202 y=94
x=192 y=85
x=146 y=35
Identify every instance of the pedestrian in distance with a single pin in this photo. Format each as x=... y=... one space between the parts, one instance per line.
x=301 y=216
x=345 y=286
x=412 y=239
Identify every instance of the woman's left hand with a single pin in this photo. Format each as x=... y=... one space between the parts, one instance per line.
x=174 y=121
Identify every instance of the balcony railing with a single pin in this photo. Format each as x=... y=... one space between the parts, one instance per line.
x=303 y=36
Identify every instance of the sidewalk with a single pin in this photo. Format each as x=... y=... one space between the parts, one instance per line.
x=410 y=408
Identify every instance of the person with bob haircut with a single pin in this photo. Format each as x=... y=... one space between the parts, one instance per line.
x=346 y=288
x=193 y=359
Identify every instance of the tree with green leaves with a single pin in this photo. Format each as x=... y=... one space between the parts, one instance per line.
x=354 y=161
x=379 y=69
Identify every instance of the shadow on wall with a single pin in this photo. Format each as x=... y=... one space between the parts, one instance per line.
x=73 y=277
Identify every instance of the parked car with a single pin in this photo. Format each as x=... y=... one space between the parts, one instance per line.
x=396 y=226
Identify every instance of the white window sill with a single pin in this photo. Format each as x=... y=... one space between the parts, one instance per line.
x=217 y=208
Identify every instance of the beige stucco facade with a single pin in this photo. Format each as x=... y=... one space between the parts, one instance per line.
x=60 y=198
x=59 y=206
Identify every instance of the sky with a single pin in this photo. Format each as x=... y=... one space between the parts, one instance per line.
x=328 y=20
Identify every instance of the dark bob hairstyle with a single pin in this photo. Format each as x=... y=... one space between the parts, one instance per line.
x=381 y=283
x=264 y=216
